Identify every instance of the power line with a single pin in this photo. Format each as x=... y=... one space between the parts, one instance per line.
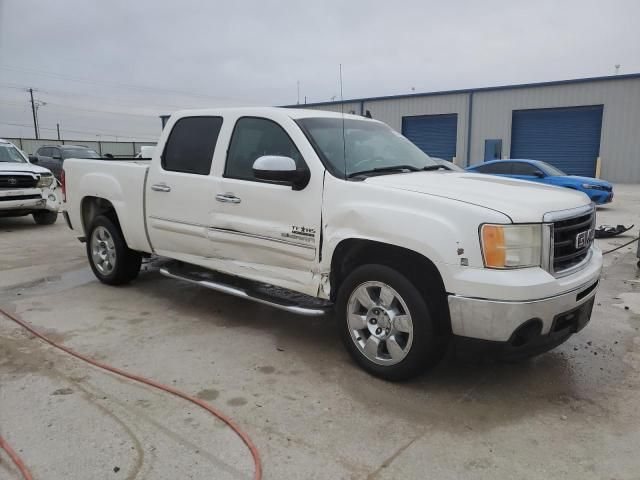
x=110 y=134
x=72 y=107
x=142 y=88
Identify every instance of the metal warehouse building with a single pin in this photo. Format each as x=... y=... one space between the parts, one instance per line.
x=569 y=123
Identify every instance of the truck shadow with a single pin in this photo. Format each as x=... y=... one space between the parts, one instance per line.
x=16 y=224
x=461 y=392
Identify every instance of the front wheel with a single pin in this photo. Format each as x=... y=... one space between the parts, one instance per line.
x=111 y=260
x=386 y=323
x=45 y=217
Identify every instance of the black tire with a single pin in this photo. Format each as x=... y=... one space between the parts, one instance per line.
x=45 y=217
x=426 y=348
x=127 y=261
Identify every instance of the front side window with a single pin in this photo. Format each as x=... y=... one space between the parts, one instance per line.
x=551 y=170
x=350 y=146
x=10 y=154
x=44 y=151
x=253 y=138
x=191 y=144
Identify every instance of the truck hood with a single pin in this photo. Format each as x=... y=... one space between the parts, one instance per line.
x=15 y=167
x=520 y=200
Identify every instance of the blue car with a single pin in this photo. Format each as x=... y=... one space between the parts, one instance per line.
x=599 y=191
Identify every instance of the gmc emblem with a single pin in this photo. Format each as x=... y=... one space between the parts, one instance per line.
x=583 y=238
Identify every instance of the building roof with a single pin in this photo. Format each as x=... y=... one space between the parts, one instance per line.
x=480 y=89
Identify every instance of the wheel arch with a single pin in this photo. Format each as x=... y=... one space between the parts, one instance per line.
x=420 y=270
x=91 y=207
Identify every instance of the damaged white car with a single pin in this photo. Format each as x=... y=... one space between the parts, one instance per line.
x=306 y=210
x=26 y=189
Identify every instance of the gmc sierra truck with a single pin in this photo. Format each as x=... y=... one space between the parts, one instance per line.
x=308 y=211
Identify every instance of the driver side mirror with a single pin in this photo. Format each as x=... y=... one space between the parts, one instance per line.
x=277 y=168
x=538 y=174
x=33 y=158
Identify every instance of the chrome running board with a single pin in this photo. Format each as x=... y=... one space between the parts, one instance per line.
x=241 y=292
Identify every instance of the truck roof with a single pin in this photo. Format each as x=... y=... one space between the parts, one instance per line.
x=294 y=113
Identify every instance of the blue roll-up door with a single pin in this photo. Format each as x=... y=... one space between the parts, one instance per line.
x=433 y=134
x=568 y=138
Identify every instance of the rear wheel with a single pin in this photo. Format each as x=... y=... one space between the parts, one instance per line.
x=386 y=323
x=111 y=260
x=45 y=217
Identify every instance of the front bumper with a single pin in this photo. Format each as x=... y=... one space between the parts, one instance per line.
x=600 y=197
x=497 y=320
x=28 y=200
x=528 y=340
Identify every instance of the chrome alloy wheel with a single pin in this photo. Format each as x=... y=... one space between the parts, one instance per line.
x=379 y=323
x=103 y=250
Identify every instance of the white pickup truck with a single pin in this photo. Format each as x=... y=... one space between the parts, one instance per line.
x=306 y=210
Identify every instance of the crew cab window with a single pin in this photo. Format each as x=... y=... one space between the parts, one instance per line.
x=191 y=144
x=521 y=168
x=44 y=151
x=252 y=138
x=496 y=168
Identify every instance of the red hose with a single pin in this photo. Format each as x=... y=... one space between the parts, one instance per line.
x=16 y=459
x=137 y=378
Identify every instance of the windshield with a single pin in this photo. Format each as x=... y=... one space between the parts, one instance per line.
x=364 y=146
x=551 y=170
x=79 y=153
x=10 y=154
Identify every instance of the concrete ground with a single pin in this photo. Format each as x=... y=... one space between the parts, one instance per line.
x=569 y=414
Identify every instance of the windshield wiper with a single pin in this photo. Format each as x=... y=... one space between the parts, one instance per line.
x=396 y=169
x=392 y=169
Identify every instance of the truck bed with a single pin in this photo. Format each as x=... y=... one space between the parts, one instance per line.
x=121 y=181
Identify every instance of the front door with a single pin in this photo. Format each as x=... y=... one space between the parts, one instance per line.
x=180 y=190
x=266 y=230
x=492 y=149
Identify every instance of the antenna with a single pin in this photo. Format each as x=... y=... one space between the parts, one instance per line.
x=344 y=141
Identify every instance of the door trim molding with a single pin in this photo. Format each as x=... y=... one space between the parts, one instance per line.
x=261 y=237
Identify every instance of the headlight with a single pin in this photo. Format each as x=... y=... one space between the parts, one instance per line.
x=511 y=246
x=592 y=187
x=45 y=181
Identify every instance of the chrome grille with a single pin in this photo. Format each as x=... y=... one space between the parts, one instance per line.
x=572 y=239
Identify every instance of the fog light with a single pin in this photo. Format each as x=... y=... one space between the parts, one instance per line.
x=52 y=198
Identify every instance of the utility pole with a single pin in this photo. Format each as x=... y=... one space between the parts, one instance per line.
x=33 y=110
x=58 y=128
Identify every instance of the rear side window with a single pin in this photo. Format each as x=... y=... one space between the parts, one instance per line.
x=253 y=138
x=503 y=167
x=191 y=144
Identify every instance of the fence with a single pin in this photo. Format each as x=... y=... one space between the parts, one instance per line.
x=117 y=149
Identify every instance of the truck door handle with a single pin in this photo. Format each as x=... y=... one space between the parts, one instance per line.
x=160 y=187
x=227 y=198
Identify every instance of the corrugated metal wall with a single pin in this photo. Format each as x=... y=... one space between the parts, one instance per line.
x=620 y=140
x=492 y=112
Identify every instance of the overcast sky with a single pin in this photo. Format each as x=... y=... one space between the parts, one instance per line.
x=108 y=68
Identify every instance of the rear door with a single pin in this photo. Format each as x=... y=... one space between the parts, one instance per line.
x=265 y=230
x=180 y=190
